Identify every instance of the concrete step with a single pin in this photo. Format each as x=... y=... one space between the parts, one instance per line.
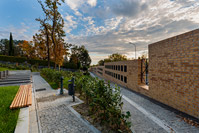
x=15 y=82
x=10 y=80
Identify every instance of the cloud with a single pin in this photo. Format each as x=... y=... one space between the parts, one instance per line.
x=106 y=26
x=128 y=8
x=23 y=32
x=70 y=23
x=92 y=3
x=75 y=5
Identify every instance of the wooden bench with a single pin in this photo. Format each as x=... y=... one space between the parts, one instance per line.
x=23 y=97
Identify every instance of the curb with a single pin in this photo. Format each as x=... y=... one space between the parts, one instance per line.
x=90 y=126
x=23 y=121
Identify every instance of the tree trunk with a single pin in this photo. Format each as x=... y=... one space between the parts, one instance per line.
x=55 y=66
x=47 y=44
x=52 y=35
x=48 y=49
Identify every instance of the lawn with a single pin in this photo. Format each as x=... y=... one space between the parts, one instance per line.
x=8 y=118
x=56 y=86
x=4 y=68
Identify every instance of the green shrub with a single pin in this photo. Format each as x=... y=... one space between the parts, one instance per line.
x=53 y=76
x=13 y=66
x=24 y=59
x=104 y=102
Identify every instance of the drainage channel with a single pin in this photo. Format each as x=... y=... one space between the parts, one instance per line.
x=41 y=89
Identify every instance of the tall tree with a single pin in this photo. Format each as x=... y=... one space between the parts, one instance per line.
x=11 y=46
x=45 y=28
x=82 y=54
x=57 y=32
x=53 y=25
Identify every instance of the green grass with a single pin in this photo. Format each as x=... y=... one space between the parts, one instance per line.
x=55 y=85
x=4 y=68
x=8 y=118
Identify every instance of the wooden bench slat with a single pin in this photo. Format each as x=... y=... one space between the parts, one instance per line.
x=18 y=97
x=23 y=98
x=15 y=98
x=26 y=97
x=30 y=96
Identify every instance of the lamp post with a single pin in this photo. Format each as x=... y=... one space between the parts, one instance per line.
x=135 y=48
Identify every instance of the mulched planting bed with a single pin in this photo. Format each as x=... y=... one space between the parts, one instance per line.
x=83 y=110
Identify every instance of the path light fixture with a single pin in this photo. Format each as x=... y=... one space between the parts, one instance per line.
x=61 y=89
x=135 y=48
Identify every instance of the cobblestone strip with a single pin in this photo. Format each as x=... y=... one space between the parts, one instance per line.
x=91 y=127
x=54 y=112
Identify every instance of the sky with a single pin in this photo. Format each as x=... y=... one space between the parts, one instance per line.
x=105 y=26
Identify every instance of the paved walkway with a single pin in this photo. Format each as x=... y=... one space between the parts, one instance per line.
x=52 y=113
x=17 y=77
x=146 y=116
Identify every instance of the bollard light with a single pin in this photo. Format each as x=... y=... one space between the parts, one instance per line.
x=61 y=89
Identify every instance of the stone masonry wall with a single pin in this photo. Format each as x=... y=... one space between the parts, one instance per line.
x=174 y=72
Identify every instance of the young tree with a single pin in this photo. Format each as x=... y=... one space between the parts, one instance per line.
x=40 y=46
x=61 y=50
x=11 y=46
x=28 y=49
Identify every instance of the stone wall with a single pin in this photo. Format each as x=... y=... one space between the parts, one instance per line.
x=174 y=72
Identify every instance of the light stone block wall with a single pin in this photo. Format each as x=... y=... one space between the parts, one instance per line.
x=173 y=73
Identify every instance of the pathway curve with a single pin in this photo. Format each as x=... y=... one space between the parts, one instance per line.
x=147 y=116
x=53 y=112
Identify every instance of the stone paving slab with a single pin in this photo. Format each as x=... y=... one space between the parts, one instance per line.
x=53 y=111
x=55 y=116
x=16 y=78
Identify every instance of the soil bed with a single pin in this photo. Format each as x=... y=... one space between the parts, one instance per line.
x=83 y=110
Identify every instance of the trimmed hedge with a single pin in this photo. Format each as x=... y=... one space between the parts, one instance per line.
x=12 y=59
x=35 y=61
x=23 y=59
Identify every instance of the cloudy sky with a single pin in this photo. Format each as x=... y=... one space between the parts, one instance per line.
x=105 y=26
